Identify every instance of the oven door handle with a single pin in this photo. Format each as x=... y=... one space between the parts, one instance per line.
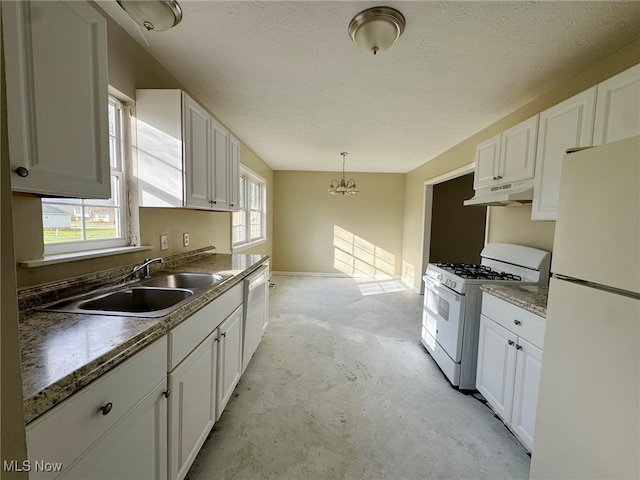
x=443 y=291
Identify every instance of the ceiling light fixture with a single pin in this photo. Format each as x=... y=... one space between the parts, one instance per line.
x=343 y=187
x=156 y=15
x=377 y=28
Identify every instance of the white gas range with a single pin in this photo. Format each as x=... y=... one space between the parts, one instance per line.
x=453 y=299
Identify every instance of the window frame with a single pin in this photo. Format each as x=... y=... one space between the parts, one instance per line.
x=120 y=170
x=248 y=176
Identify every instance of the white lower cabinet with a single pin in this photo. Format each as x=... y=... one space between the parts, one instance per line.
x=525 y=391
x=508 y=374
x=116 y=427
x=135 y=448
x=205 y=361
x=496 y=367
x=192 y=411
x=230 y=358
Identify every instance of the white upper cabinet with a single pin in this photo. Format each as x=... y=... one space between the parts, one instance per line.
x=197 y=153
x=57 y=98
x=618 y=107
x=518 y=152
x=508 y=157
x=220 y=163
x=183 y=153
x=487 y=159
x=566 y=125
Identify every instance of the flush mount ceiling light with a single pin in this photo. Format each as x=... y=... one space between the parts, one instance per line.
x=376 y=29
x=156 y=15
x=343 y=187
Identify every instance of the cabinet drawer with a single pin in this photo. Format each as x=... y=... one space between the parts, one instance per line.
x=79 y=420
x=190 y=333
x=515 y=319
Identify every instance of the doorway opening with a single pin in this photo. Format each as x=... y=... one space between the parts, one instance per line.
x=451 y=231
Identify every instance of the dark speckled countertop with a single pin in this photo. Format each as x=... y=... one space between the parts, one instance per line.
x=63 y=352
x=530 y=297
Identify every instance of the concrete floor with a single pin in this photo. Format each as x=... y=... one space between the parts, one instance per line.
x=342 y=388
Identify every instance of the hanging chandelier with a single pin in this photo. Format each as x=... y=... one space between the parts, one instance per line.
x=343 y=187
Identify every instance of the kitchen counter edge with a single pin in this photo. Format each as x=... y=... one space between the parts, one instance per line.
x=532 y=298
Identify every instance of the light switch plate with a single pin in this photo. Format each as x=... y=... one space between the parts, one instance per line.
x=185 y=239
x=164 y=242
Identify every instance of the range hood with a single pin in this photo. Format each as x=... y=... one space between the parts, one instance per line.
x=502 y=196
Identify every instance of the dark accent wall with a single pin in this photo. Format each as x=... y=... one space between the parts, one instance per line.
x=457 y=232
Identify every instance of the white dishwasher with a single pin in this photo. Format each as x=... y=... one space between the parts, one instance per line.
x=256 y=311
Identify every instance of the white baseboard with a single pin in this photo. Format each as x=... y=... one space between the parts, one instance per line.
x=313 y=274
x=410 y=288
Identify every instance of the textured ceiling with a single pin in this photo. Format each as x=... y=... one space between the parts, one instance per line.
x=287 y=80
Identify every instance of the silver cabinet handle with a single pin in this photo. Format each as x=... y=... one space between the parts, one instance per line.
x=22 y=172
x=106 y=408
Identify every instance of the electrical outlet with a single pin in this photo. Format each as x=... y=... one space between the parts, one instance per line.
x=185 y=239
x=164 y=242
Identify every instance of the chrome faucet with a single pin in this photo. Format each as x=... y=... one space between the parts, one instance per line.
x=146 y=266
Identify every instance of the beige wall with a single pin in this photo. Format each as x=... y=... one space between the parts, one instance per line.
x=457 y=232
x=316 y=232
x=131 y=67
x=505 y=225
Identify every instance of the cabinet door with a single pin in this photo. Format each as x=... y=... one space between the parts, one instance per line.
x=192 y=407
x=525 y=396
x=58 y=141
x=135 y=448
x=197 y=152
x=568 y=124
x=618 y=107
x=496 y=366
x=220 y=166
x=517 y=151
x=234 y=173
x=487 y=158
x=230 y=358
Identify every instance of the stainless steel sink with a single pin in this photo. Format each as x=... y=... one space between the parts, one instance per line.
x=183 y=280
x=153 y=297
x=135 y=301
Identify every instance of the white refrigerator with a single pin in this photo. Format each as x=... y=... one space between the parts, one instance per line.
x=588 y=417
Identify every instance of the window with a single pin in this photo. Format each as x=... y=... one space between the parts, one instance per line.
x=76 y=224
x=249 y=222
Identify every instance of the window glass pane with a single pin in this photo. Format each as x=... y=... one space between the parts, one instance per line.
x=61 y=223
x=254 y=196
x=256 y=225
x=248 y=221
x=101 y=223
x=67 y=220
x=113 y=150
x=241 y=192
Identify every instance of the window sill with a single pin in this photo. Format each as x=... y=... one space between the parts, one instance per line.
x=244 y=246
x=74 y=256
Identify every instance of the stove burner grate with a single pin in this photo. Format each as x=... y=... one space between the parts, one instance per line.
x=474 y=271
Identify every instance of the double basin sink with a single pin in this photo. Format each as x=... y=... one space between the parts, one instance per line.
x=154 y=297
